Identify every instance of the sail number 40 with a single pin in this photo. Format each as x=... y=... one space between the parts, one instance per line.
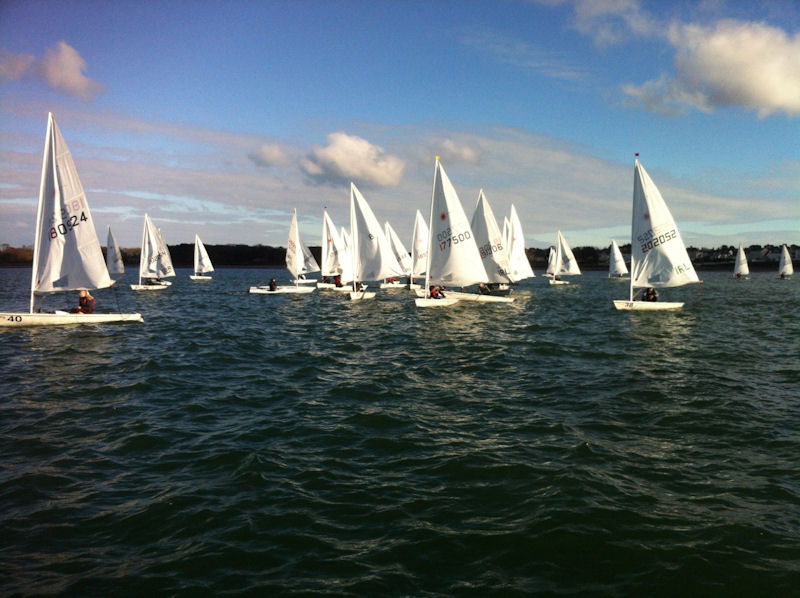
x=447 y=238
x=64 y=227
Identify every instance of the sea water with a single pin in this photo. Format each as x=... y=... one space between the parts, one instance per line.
x=237 y=444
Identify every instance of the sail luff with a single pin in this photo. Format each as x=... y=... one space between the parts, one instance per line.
x=49 y=152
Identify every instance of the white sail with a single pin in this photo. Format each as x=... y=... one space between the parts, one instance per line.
x=520 y=267
x=298 y=258
x=489 y=239
x=67 y=253
x=331 y=246
x=785 y=267
x=616 y=263
x=551 y=263
x=740 y=268
x=373 y=258
x=419 y=246
x=507 y=231
x=454 y=259
x=399 y=250
x=658 y=255
x=155 y=260
x=113 y=255
x=566 y=264
x=202 y=263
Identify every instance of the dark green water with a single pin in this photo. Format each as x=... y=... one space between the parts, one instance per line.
x=239 y=444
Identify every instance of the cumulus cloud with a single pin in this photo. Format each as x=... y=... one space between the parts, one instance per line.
x=62 y=68
x=451 y=151
x=269 y=155
x=348 y=157
x=751 y=65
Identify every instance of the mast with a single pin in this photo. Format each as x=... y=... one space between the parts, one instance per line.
x=353 y=234
x=430 y=234
x=142 y=254
x=48 y=149
x=635 y=167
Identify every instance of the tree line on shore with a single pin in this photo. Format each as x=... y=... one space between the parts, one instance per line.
x=265 y=256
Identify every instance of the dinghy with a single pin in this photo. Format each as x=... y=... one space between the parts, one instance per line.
x=563 y=262
x=492 y=248
x=658 y=255
x=335 y=260
x=616 y=263
x=295 y=264
x=202 y=263
x=403 y=258
x=370 y=250
x=453 y=256
x=66 y=252
x=785 y=267
x=740 y=269
x=114 y=262
x=155 y=262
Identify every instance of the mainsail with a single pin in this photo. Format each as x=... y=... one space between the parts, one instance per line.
x=114 y=261
x=740 y=268
x=520 y=267
x=492 y=248
x=616 y=263
x=202 y=263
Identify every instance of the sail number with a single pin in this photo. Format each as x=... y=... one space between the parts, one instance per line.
x=447 y=238
x=650 y=241
x=488 y=249
x=69 y=223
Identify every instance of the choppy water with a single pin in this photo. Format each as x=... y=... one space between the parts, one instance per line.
x=239 y=444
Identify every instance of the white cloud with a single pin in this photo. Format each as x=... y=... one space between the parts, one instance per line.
x=61 y=68
x=269 y=155
x=347 y=157
x=612 y=21
x=451 y=151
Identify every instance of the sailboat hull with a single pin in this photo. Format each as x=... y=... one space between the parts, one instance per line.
x=199 y=277
x=149 y=287
x=20 y=319
x=428 y=302
x=282 y=290
x=647 y=305
x=358 y=295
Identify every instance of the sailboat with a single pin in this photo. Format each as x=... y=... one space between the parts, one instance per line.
x=785 y=267
x=519 y=265
x=740 y=269
x=295 y=263
x=114 y=262
x=658 y=255
x=402 y=256
x=492 y=249
x=564 y=262
x=202 y=263
x=372 y=255
x=66 y=252
x=335 y=260
x=616 y=263
x=453 y=256
x=309 y=265
x=419 y=249
x=155 y=262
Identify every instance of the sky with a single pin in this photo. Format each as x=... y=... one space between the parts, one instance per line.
x=219 y=118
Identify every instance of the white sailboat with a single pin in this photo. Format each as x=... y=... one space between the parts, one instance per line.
x=155 y=262
x=372 y=255
x=66 y=253
x=616 y=263
x=453 y=256
x=114 y=262
x=202 y=263
x=419 y=249
x=401 y=255
x=740 y=268
x=785 y=267
x=492 y=249
x=309 y=265
x=295 y=264
x=564 y=262
x=335 y=260
x=658 y=255
x=520 y=266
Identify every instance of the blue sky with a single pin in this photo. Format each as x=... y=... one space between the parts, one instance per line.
x=220 y=118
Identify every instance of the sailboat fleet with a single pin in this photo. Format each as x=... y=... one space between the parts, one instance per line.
x=448 y=251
